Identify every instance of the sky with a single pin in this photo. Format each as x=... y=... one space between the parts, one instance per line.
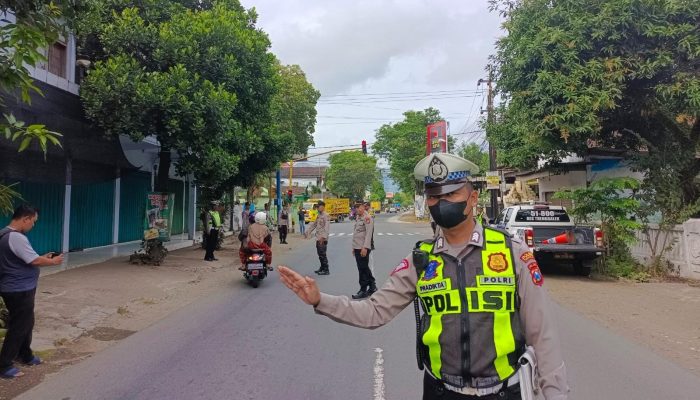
x=373 y=60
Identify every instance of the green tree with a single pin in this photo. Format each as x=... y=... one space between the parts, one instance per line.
x=377 y=192
x=294 y=109
x=22 y=45
x=473 y=153
x=403 y=199
x=351 y=174
x=196 y=75
x=403 y=145
x=614 y=73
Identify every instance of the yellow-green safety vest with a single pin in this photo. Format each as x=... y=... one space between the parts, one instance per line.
x=215 y=219
x=490 y=300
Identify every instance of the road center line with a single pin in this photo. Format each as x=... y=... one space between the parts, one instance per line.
x=379 y=388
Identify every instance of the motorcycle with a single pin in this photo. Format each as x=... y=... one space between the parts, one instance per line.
x=255 y=267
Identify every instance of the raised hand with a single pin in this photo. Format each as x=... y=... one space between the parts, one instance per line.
x=302 y=286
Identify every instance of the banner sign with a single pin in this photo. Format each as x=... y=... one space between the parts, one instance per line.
x=389 y=195
x=159 y=216
x=492 y=180
x=436 y=141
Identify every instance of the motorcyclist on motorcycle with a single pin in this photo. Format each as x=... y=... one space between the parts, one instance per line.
x=258 y=238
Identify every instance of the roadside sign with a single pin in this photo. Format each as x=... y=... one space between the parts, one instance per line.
x=493 y=181
x=389 y=195
x=159 y=216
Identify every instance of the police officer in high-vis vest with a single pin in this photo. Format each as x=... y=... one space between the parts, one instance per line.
x=484 y=307
x=214 y=224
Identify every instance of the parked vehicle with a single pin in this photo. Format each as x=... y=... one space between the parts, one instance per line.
x=376 y=206
x=255 y=267
x=392 y=210
x=553 y=236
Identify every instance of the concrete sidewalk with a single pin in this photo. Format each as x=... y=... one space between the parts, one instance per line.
x=100 y=254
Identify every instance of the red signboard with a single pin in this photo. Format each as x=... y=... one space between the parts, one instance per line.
x=436 y=138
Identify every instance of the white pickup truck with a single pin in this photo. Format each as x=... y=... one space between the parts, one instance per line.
x=552 y=235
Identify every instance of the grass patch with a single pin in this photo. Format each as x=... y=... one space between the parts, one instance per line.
x=45 y=354
x=624 y=266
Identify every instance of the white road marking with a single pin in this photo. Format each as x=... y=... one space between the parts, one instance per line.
x=390 y=234
x=400 y=234
x=379 y=388
x=331 y=234
x=341 y=234
x=380 y=234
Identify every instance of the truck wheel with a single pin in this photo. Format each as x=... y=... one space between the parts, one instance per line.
x=582 y=268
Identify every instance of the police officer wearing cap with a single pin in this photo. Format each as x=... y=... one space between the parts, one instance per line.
x=362 y=234
x=321 y=227
x=482 y=296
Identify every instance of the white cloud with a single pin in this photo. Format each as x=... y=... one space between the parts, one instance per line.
x=382 y=46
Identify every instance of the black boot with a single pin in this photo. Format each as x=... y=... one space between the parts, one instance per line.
x=360 y=295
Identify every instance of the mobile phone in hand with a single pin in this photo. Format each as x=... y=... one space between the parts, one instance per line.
x=54 y=254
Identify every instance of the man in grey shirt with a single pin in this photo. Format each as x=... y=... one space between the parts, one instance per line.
x=322 y=227
x=19 y=275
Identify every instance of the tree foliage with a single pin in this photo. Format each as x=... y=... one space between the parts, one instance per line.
x=22 y=45
x=615 y=73
x=351 y=174
x=403 y=145
x=377 y=192
x=196 y=75
x=473 y=153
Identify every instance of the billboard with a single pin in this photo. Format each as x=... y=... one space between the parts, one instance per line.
x=436 y=138
x=389 y=195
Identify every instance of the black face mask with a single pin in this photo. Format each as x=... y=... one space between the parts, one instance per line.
x=448 y=214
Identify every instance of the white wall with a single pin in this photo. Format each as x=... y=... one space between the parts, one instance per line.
x=555 y=183
x=300 y=182
x=684 y=251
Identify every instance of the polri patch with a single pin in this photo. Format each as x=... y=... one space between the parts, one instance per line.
x=402 y=266
x=527 y=257
x=496 y=280
x=497 y=262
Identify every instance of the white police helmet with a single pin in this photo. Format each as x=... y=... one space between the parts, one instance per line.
x=260 y=217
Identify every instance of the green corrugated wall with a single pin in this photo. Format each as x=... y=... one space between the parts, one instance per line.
x=47 y=233
x=135 y=186
x=176 y=187
x=91 y=215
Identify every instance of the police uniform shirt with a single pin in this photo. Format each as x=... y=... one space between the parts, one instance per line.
x=362 y=232
x=400 y=289
x=322 y=226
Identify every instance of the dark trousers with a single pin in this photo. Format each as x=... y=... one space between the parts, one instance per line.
x=366 y=277
x=434 y=390
x=321 y=249
x=283 y=233
x=18 y=340
x=212 y=240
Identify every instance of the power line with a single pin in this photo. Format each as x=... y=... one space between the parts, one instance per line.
x=400 y=93
x=398 y=99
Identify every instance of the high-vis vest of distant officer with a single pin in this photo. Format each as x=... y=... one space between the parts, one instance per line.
x=215 y=219
x=471 y=332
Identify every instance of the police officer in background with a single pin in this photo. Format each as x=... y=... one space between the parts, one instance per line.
x=482 y=297
x=322 y=228
x=213 y=225
x=362 y=234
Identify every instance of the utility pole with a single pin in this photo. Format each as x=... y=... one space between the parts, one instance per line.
x=492 y=150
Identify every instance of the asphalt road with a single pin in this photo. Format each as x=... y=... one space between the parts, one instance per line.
x=244 y=343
